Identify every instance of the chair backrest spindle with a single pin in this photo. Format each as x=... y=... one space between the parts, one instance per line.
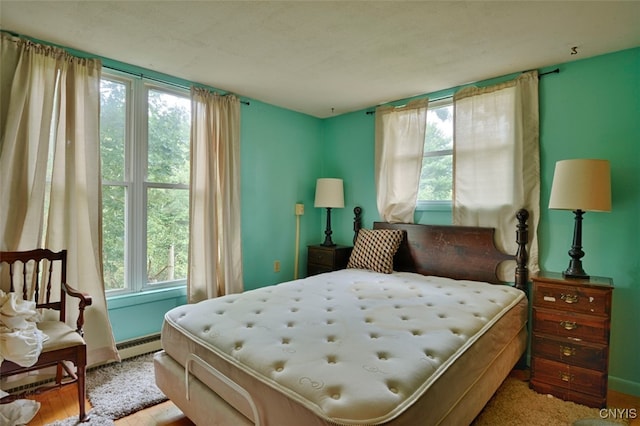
x=49 y=281
x=24 y=280
x=36 y=281
x=11 y=286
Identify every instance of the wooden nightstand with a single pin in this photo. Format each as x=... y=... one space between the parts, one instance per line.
x=570 y=341
x=325 y=259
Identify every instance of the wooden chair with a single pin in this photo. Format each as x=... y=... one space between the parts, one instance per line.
x=34 y=273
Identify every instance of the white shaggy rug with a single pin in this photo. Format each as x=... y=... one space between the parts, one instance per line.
x=119 y=389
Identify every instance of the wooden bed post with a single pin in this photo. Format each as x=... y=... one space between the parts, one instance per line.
x=357 y=222
x=522 y=237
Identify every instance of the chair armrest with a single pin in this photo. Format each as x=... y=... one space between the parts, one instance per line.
x=85 y=300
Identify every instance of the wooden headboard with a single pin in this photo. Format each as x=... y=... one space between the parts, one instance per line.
x=459 y=252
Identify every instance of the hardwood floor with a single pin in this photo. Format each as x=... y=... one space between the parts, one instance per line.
x=60 y=404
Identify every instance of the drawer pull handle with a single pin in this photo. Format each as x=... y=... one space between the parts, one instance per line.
x=569 y=298
x=566 y=377
x=569 y=325
x=567 y=350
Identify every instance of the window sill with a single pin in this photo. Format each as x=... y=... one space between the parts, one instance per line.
x=434 y=206
x=132 y=299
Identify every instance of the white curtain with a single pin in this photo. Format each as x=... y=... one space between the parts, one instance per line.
x=53 y=109
x=497 y=162
x=215 y=251
x=400 y=133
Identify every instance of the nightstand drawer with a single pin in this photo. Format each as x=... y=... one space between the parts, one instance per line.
x=321 y=257
x=568 y=394
x=315 y=269
x=572 y=298
x=583 y=354
x=569 y=377
x=567 y=324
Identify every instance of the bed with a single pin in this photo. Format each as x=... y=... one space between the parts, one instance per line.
x=428 y=343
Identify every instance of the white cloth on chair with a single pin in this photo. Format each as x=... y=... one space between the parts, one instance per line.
x=20 y=339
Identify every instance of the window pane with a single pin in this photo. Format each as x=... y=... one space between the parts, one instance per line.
x=168 y=145
x=167 y=234
x=436 y=179
x=439 y=129
x=113 y=236
x=113 y=125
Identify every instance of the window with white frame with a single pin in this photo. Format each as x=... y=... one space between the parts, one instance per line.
x=436 y=177
x=144 y=141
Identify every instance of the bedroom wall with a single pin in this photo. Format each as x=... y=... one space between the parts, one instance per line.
x=281 y=157
x=589 y=110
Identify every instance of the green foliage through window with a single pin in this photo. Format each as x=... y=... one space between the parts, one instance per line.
x=144 y=133
x=436 y=178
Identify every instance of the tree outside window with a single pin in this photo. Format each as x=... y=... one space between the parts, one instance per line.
x=436 y=178
x=144 y=131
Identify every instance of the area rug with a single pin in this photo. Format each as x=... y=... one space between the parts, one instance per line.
x=515 y=404
x=119 y=389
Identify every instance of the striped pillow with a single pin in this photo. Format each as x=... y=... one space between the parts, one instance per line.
x=374 y=249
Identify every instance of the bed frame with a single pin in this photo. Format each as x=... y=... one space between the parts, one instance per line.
x=440 y=250
x=428 y=250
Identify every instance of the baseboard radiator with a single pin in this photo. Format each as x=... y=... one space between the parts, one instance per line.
x=140 y=346
x=127 y=349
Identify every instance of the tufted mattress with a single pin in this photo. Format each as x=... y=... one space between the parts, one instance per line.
x=349 y=347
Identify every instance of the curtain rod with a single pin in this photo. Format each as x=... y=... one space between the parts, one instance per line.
x=157 y=80
x=370 y=112
x=555 y=71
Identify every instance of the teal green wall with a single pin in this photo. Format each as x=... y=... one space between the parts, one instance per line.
x=280 y=161
x=591 y=109
x=135 y=315
x=347 y=157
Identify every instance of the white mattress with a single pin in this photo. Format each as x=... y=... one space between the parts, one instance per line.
x=348 y=347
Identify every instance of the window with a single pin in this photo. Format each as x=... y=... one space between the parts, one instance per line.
x=144 y=141
x=436 y=178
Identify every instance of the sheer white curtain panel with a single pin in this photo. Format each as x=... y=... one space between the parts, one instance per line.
x=497 y=162
x=28 y=81
x=51 y=151
x=400 y=133
x=215 y=250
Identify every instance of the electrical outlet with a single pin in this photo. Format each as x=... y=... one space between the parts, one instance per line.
x=276 y=266
x=299 y=209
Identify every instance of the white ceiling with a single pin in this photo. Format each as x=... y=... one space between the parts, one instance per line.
x=326 y=57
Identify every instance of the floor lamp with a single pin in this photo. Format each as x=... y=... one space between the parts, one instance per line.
x=580 y=185
x=329 y=194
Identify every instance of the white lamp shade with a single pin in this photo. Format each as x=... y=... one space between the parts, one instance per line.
x=329 y=193
x=582 y=184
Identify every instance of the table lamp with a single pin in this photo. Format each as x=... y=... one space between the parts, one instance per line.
x=329 y=194
x=580 y=185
